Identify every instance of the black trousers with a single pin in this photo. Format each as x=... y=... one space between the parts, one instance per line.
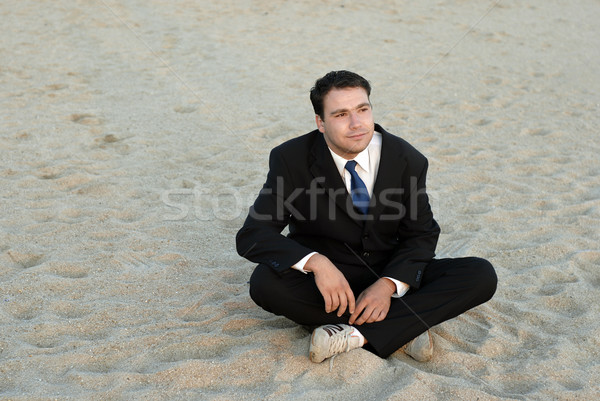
x=449 y=287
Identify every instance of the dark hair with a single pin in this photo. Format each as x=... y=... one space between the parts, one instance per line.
x=335 y=80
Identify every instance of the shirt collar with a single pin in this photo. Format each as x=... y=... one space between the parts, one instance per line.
x=362 y=159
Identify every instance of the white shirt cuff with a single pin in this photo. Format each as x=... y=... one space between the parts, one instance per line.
x=300 y=265
x=401 y=288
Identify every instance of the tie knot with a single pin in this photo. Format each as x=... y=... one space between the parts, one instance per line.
x=350 y=165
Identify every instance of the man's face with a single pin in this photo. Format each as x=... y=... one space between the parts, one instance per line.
x=348 y=124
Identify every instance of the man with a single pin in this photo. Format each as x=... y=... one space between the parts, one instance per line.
x=359 y=257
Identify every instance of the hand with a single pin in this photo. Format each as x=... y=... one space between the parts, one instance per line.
x=373 y=303
x=332 y=284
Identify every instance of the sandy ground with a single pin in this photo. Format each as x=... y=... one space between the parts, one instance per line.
x=135 y=134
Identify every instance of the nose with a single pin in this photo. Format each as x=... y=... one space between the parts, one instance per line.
x=354 y=120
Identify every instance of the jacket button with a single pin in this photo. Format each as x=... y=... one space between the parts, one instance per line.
x=365 y=254
x=366 y=236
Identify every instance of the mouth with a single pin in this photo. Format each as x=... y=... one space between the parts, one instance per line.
x=357 y=136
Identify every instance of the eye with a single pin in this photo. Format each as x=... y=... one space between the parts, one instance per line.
x=341 y=115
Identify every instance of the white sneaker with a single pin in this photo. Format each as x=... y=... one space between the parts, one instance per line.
x=420 y=348
x=330 y=340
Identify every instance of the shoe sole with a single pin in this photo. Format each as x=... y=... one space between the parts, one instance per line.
x=426 y=358
x=311 y=354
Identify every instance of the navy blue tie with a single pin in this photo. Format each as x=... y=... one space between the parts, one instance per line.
x=360 y=195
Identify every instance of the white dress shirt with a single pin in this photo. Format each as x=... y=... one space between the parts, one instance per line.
x=367 y=165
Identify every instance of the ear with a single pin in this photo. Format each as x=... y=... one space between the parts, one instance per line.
x=320 y=123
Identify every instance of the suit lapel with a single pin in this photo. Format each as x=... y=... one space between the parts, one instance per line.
x=390 y=171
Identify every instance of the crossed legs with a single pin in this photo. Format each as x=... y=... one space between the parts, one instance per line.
x=449 y=287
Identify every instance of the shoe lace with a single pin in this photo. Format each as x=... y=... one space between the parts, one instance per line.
x=340 y=343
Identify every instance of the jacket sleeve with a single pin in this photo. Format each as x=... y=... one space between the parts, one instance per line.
x=260 y=239
x=417 y=235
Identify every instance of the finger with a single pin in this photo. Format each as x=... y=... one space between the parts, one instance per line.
x=351 y=302
x=352 y=318
x=343 y=304
x=365 y=316
x=375 y=317
x=335 y=302
x=327 y=299
x=359 y=308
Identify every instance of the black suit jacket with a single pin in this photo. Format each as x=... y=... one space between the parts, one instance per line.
x=305 y=191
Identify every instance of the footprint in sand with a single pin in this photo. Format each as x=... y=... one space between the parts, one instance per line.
x=43 y=337
x=85 y=119
x=110 y=138
x=535 y=131
x=492 y=81
x=480 y=122
x=66 y=270
x=69 y=309
x=184 y=109
x=208 y=347
x=56 y=87
x=49 y=173
x=25 y=259
x=23 y=310
x=587 y=263
x=241 y=327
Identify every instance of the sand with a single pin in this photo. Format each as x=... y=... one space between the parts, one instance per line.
x=134 y=135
